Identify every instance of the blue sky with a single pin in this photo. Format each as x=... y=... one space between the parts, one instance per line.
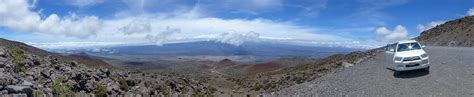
x=346 y=23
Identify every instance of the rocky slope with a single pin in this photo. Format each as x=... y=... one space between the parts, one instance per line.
x=459 y=32
x=31 y=71
x=265 y=82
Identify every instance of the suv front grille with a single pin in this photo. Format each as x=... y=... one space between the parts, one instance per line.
x=411 y=58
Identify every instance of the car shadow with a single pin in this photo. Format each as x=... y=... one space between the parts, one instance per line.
x=410 y=74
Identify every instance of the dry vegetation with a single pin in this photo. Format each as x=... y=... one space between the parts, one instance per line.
x=276 y=80
x=457 y=32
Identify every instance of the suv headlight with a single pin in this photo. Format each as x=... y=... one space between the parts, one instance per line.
x=424 y=55
x=398 y=58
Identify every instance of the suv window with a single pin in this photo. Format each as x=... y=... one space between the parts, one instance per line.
x=390 y=46
x=408 y=46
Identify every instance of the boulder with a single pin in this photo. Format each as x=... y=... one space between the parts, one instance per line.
x=3 y=61
x=53 y=60
x=26 y=83
x=48 y=90
x=65 y=68
x=46 y=73
x=6 y=79
x=3 y=52
x=6 y=63
x=73 y=63
x=345 y=64
x=3 y=92
x=34 y=59
x=20 y=89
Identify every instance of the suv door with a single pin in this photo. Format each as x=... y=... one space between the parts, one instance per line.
x=389 y=54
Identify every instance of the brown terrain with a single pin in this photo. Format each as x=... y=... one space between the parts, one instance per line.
x=457 y=32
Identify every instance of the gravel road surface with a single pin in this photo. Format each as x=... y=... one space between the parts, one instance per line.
x=451 y=74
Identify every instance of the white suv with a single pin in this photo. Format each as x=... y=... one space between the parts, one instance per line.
x=407 y=55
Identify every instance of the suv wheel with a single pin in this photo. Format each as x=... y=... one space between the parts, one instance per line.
x=397 y=72
x=427 y=69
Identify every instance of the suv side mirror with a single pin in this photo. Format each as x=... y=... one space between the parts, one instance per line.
x=423 y=46
x=390 y=50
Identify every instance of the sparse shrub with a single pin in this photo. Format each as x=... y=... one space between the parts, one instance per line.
x=185 y=91
x=18 y=54
x=37 y=93
x=300 y=80
x=164 y=90
x=57 y=87
x=211 y=91
x=20 y=67
x=62 y=89
x=206 y=93
x=123 y=84
x=101 y=91
x=236 y=81
x=257 y=87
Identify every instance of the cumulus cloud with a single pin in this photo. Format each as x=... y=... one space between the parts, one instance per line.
x=237 y=39
x=430 y=25
x=136 y=26
x=17 y=15
x=386 y=35
x=147 y=27
x=193 y=25
x=162 y=37
x=470 y=12
x=62 y=45
x=172 y=26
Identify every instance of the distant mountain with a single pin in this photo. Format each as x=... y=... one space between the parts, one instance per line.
x=223 y=49
x=459 y=32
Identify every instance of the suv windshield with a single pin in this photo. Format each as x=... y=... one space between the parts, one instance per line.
x=408 y=46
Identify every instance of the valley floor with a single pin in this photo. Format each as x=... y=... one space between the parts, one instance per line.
x=451 y=74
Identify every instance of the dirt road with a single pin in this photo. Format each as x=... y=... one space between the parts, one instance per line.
x=451 y=74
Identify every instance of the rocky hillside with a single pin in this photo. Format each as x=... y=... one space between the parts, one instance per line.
x=459 y=32
x=32 y=71
x=275 y=80
x=83 y=59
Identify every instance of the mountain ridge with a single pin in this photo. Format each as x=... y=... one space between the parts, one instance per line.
x=457 y=33
x=223 y=49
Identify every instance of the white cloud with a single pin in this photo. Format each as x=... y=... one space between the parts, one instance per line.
x=385 y=35
x=470 y=12
x=16 y=15
x=62 y=45
x=162 y=37
x=136 y=26
x=430 y=25
x=237 y=39
x=178 y=25
x=314 y=7
x=209 y=28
